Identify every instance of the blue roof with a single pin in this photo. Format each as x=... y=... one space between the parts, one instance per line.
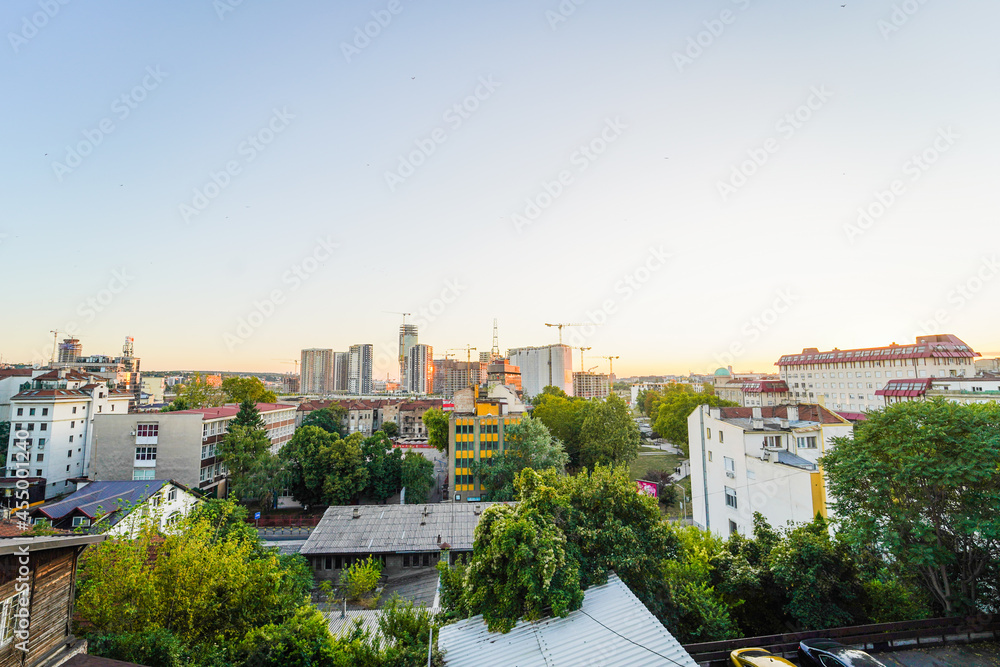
x=100 y=498
x=786 y=457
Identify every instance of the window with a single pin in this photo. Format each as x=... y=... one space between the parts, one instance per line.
x=143 y=473
x=45 y=411
x=43 y=427
x=708 y=433
x=710 y=456
x=7 y=620
x=74 y=409
x=41 y=444
x=31 y=426
x=173 y=519
x=807 y=442
x=31 y=412
x=720 y=436
x=39 y=457
x=171 y=495
x=206 y=473
x=80 y=521
x=145 y=453
x=71 y=440
x=730 y=497
x=147 y=430
x=733 y=528
x=730 y=465
x=20 y=412
x=406 y=560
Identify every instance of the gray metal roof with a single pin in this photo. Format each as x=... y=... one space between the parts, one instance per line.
x=395 y=528
x=99 y=498
x=612 y=628
x=795 y=460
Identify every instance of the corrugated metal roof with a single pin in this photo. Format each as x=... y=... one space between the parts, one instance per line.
x=103 y=498
x=341 y=626
x=395 y=528
x=612 y=628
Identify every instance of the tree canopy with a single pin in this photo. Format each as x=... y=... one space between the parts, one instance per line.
x=609 y=433
x=331 y=419
x=197 y=393
x=920 y=479
x=436 y=423
x=527 y=444
x=251 y=389
x=671 y=409
x=323 y=468
x=417 y=476
x=384 y=464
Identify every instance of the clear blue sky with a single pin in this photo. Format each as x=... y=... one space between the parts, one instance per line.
x=329 y=127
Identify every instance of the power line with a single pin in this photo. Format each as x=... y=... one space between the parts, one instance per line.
x=629 y=640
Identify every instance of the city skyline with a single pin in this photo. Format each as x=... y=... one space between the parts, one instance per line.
x=231 y=183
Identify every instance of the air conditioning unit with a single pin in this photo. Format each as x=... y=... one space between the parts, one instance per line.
x=730 y=474
x=133 y=433
x=204 y=438
x=765 y=455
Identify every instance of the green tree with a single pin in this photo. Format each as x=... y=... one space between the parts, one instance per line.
x=360 y=578
x=548 y=391
x=406 y=629
x=4 y=442
x=609 y=433
x=249 y=416
x=153 y=648
x=436 y=423
x=391 y=429
x=200 y=588
x=527 y=444
x=331 y=419
x=323 y=468
x=920 y=479
x=563 y=416
x=243 y=449
x=417 y=475
x=197 y=393
x=262 y=481
x=674 y=408
x=251 y=389
x=303 y=640
x=384 y=464
x=519 y=566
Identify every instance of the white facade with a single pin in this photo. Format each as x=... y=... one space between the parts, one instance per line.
x=544 y=366
x=54 y=421
x=165 y=508
x=747 y=460
x=11 y=380
x=848 y=379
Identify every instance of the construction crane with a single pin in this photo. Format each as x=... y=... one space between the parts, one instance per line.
x=611 y=366
x=396 y=312
x=582 y=350
x=290 y=361
x=55 y=339
x=468 y=360
x=560 y=327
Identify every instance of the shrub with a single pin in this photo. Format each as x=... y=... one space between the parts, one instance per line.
x=154 y=648
x=361 y=578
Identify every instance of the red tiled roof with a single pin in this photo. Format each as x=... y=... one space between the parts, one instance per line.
x=910 y=387
x=809 y=412
x=943 y=345
x=230 y=410
x=14 y=372
x=765 y=387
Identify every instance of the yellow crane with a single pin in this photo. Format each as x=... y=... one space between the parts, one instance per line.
x=582 y=350
x=560 y=327
x=611 y=366
x=290 y=361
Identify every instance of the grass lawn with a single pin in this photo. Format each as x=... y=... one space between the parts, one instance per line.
x=663 y=461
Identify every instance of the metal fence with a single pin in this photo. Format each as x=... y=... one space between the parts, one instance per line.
x=879 y=637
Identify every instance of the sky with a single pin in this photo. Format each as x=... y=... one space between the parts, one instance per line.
x=702 y=184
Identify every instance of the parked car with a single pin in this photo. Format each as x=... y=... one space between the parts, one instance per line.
x=756 y=657
x=830 y=653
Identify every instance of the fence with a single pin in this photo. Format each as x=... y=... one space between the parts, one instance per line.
x=284 y=521
x=880 y=637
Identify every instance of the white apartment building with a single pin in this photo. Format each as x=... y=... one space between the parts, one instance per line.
x=846 y=380
x=359 y=371
x=419 y=369
x=544 y=366
x=180 y=445
x=11 y=380
x=759 y=459
x=55 y=420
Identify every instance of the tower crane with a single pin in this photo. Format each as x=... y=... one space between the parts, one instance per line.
x=560 y=327
x=290 y=361
x=468 y=360
x=55 y=339
x=611 y=366
x=582 y=350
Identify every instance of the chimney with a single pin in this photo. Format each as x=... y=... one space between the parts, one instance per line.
x=793 y=413
x=784 y=424
x=757 y=424
x=357 y=513
x=715 y=413
x=756 y=413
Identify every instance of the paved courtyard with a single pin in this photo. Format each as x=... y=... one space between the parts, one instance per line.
x=974 y=655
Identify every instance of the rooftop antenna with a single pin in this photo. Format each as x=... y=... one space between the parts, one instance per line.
x=495 y=352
